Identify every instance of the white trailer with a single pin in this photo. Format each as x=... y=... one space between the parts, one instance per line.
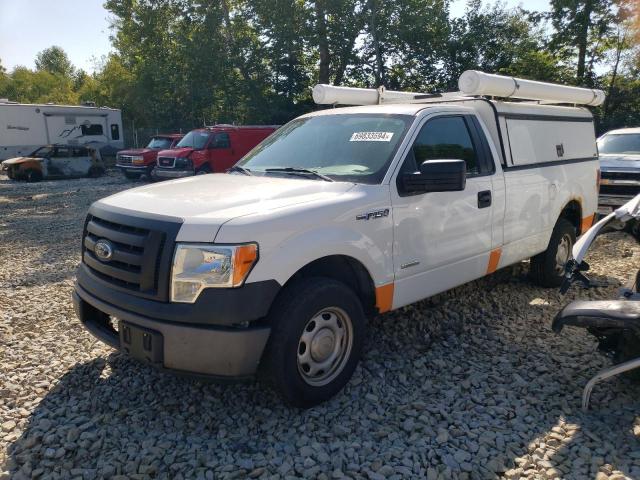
x=25 y=127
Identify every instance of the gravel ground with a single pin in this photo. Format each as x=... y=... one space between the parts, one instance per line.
x=472 y=384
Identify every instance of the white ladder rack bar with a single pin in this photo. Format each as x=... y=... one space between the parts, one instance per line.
x=472 y=84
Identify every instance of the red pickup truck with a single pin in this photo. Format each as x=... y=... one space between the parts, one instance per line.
x=209 y=150
x=140 y=161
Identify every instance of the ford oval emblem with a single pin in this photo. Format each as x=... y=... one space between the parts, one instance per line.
x=103 y=250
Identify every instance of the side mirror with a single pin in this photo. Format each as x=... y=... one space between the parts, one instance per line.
x=437 y=176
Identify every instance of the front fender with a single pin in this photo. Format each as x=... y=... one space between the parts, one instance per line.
x=284 y=260
x=290 y=238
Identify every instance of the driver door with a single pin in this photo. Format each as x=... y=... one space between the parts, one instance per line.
x=443 y=239
x=221 y=152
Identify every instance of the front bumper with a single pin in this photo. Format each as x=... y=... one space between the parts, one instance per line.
x=191 y=347
x=608 y=203
x=134 y=168
x=171 y=173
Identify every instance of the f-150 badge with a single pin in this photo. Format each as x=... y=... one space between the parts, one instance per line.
x=374 y=214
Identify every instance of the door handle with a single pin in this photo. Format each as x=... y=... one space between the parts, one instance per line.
x=484 y=199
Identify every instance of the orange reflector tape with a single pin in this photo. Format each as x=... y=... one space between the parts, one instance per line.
x=245 y=257
x=587 y=222
x=384 y=297
x=494 y=259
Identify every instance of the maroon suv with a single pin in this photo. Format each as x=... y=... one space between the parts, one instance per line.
x=140 y=161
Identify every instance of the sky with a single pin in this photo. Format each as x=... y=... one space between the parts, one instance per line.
x=81 y=28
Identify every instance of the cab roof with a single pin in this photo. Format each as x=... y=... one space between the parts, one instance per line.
x=169 y=135
x=223 y=127
x=532 y=108
x=393 y=108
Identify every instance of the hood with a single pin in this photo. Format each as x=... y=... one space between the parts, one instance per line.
x=210 y=200
x=17 y=160
x=176 y=152
x=614 y=162
x=136 y=151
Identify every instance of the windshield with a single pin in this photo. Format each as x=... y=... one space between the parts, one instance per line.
x=195 y=139
x=42 y=152
x=159 y=143
x=346 y=147
x=623 y=144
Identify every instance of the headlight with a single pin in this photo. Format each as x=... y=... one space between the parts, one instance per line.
x=202 y=265
x=183 y=162
x=137 y=160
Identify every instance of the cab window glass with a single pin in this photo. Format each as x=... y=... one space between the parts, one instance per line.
x=221 y=140
x=444 y=138
x=80 y=152
x=62 y=152
x=43 y=152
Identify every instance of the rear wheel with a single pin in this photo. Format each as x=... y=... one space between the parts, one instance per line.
x=547 y=268
x=33 y=176
x=318 y=328
x=95 y=172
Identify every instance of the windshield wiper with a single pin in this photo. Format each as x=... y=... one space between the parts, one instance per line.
x=300 y=171
x=237 y=168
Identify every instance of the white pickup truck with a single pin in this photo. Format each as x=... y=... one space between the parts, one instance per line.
x=344 y=213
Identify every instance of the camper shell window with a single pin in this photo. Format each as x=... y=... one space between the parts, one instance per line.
x=115 y=131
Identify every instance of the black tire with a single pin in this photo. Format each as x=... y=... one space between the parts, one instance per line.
x=633 y=227
x=95 y=172
x=203 y=170
x=33 y=176
x=306 y=305
x=628 y=349
x=545 y=270
x=132 y=175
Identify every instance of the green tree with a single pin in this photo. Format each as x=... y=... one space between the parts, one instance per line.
x=54 y=60
x=582 y=28
x=496 y=39
x=30 y=86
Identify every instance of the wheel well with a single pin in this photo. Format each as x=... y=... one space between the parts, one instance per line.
x=573 y=212
x=347 y=270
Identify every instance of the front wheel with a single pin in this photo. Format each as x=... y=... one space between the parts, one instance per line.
x=203 y=170
x=547 y=268
x=318 y=329
x=95 y=172
x=33 y=176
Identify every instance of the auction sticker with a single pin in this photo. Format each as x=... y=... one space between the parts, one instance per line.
x=371 y=137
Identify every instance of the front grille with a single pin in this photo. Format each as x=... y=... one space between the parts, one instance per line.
x=623 y=190
x=612 y=175
x=166 y=162
x=142 y=250
x=125 y=160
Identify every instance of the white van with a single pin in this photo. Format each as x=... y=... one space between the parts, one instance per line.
x=341 y=214
x=24 y=127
